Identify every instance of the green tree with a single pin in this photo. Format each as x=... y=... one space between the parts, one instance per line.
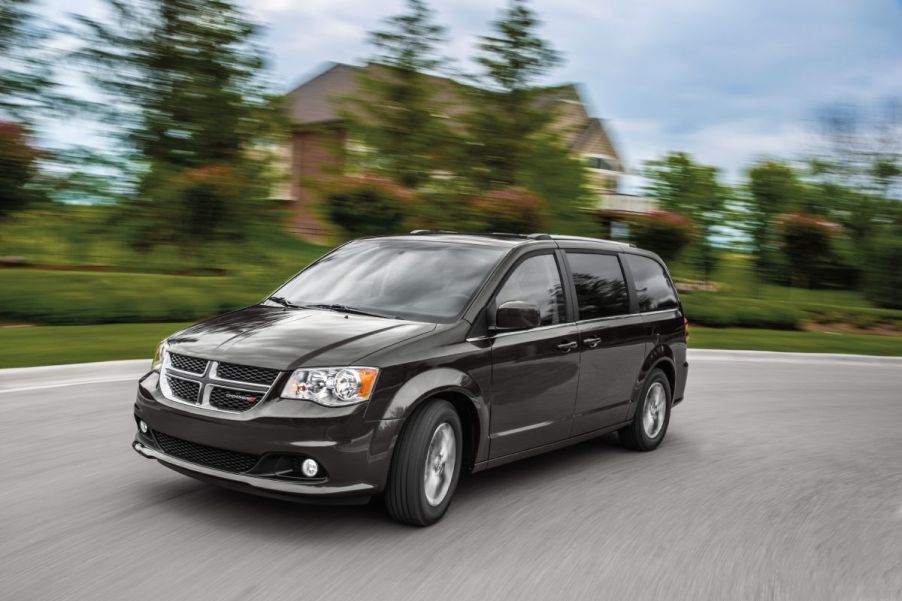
x=688 y=188
x=397 y=115
x=774 y=189
x=18 y=167
x=26 y=77
x=807 y=242
x=505 y=118
x=185 y=87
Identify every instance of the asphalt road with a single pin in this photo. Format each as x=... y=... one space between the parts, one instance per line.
x=780 y=478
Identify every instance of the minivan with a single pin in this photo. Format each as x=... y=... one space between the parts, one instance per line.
x=393 y=365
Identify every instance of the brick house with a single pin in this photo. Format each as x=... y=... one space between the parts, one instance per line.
x=319 y=138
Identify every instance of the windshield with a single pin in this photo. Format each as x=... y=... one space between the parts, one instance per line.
x=420 y=280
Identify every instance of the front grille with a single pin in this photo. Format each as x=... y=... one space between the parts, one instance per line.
x=184 y=390
x=186 y=363
x=245 y=373
x=221 y=459
x=233 y=400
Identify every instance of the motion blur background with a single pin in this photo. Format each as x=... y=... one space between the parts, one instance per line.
x=163 y=161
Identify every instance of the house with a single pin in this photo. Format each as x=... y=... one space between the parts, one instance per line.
x=320 y=137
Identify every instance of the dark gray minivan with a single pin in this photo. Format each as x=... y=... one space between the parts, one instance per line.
x=394 y=364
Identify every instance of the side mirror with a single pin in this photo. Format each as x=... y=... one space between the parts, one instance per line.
x=516 y=315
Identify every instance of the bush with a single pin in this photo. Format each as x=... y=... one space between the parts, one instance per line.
x=18 y=166
x=724 y=312
x=369 y=206
x=190 y=207
x=662 y=232
x=807 y=241
x=883 y=285
x=511 y=210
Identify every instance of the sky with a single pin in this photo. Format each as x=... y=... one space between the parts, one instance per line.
x=728 y=81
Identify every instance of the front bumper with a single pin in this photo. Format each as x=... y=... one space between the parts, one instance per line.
x=253 y=483
x=353 y=452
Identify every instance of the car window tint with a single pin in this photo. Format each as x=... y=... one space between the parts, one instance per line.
x=653 y=288
x=600 y=286
x=536 y=281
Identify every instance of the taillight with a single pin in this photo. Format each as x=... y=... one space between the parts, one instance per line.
x=685 y=327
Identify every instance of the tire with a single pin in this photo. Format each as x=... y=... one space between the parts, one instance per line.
x=648 y=428
x=412 y=496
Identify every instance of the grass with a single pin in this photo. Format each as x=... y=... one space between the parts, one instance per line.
x=55 y=345
x=803 y=342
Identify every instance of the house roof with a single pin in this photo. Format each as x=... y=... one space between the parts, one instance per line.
x=317 y=101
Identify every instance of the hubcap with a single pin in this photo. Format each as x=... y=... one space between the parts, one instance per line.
x=655 y=410
x=441 y=459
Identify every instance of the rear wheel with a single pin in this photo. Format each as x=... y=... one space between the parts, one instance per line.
x=652 y=415
x=426 y=465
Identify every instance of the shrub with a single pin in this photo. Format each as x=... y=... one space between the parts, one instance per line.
x=884 y=272
x=368 y=206
x=18 y=166
x=662 y=232
x=723 y=312
x=807 y=241
x=514 y=210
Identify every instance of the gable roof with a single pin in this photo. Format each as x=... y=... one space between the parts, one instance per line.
x=317 y=101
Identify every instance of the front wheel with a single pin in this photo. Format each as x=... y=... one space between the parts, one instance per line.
x=652 y=415
x=426 y=466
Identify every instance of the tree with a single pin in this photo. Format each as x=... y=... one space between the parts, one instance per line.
x=25 y=74
x=18 y=167
x=685 y=187
x=774 y=189
x=397 y=115
x=861 y=147
x=184 y=82
x=807 y=241
x=884 y=277
x=505 y=118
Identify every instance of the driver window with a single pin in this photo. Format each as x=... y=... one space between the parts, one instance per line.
x=536 y=281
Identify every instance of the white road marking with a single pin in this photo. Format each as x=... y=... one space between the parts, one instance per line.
x=70 y=383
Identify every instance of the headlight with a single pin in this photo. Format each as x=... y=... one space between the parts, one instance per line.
x=158 y=356
x=332 y=386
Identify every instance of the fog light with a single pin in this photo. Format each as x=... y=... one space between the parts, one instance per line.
x=142 y=425
x=309 y=468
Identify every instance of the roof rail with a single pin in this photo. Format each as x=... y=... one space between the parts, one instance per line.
x=589 y=239
x=424 y=232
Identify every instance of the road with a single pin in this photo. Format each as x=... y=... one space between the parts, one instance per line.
x=780 y=478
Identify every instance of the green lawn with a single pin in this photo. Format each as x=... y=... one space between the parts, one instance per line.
x=54 y=345
x=51 y=345
x=804 y=342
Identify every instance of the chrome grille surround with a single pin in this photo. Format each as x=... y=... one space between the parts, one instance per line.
x=209 y=380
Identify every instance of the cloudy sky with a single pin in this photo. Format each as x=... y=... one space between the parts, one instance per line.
x=726 y=80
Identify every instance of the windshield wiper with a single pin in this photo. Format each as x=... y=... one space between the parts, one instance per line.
x=281 y=300
x=347 y=309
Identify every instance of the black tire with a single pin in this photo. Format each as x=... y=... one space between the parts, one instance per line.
x=635 y=436
x=405 y=494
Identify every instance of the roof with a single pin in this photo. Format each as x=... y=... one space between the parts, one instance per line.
x=317 y=101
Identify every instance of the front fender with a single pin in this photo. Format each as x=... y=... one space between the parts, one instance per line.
x=457 y=385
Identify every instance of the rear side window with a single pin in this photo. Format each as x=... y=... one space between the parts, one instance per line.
x=600 y=286
x=653 y=288
x=536 y=281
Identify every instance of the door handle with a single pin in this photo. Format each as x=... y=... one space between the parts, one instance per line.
x=592 y=342
x=566 y=347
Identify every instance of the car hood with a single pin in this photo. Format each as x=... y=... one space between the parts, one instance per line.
x=286 y=339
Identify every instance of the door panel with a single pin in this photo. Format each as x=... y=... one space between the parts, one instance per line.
x=534 y=383
x=611 y=357
x=534 y=372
